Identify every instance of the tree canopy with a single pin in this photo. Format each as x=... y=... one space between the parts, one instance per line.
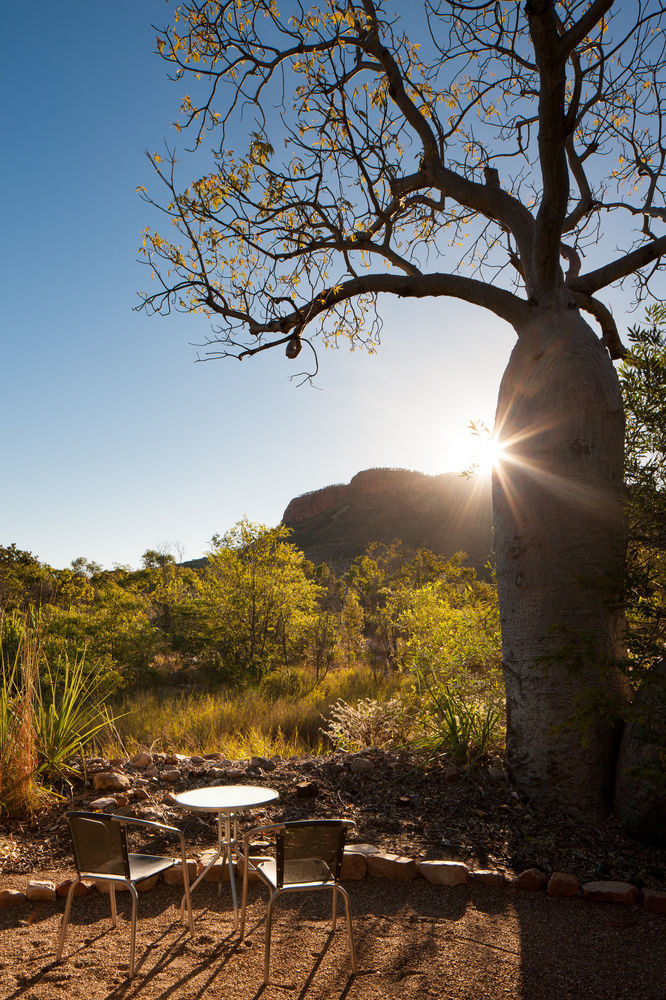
x=487 y=158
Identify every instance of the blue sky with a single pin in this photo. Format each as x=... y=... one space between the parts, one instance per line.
x=114 y=438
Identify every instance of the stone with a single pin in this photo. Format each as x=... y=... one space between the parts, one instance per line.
x=532 y=879
x=217 y=773
x=106 y=802
x=197 y=760
x=110 y=781
x=150 y=813
x=393 y=866
x=151 y=772
x=146 y=884
x=82 y=889
x=496 y=769
x=142 y=759
x=361 y=765
x=654 y=900
x=139 y=794
x=37 y=891
x=562 y=884
x=640 y=786
x=354 y=866
x=444 y=872
x=170 y=774
x=488 y=877
x=104 y=885
x=263 y=763
x=362 y=849
x=307 y=789
x=174 y=876
x=235 y=773
x=11 y=897
x=610 y=892
x=451 y=773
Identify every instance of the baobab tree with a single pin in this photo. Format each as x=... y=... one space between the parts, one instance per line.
x=510 y=155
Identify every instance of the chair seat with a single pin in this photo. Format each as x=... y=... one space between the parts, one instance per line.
x=302 y=871
x=144 y=865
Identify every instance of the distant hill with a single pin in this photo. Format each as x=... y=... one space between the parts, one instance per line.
x=445 y=513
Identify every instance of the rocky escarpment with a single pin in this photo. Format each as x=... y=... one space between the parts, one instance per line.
x=445 y=513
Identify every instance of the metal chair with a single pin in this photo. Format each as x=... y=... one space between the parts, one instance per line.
x=308 y=857
x=100 y=851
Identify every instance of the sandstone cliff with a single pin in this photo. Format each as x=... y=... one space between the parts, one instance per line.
x=444 y=513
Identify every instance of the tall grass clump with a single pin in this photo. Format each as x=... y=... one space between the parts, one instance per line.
x=454 y=725
x=18 y=741
x=50 y=710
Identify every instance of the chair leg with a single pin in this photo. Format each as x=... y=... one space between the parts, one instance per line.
x=350 y=934
x=267 y=947
x=244 y=897
x=112 y=898
x=334 y=914
x=65 y=918
x=133 y=937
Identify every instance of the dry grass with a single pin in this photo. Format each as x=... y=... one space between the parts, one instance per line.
x=238 y=722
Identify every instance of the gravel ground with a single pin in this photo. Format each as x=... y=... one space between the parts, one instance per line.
x=414 y=941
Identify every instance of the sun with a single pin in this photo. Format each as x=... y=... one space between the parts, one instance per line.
x=478 y=451
x=488 y=454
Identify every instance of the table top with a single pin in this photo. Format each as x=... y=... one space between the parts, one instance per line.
x=226 y=798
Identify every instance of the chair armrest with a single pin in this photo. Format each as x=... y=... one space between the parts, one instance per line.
x=150 y=824
x=268 y=828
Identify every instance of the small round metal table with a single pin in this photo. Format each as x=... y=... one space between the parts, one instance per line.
x=227 y=801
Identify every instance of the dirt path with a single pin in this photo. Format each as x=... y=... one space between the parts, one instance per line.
x=415 y=941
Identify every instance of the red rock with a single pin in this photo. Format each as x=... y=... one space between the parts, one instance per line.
x=562 y=884
x=174 y=876
x=11 y=897
x=611 y=892
x=493 y=879
x=392 y=866
x=40 y=891
x=654 y=901
x=365 y=849
x=532 y=879
x=307 y=789
x=444 y=872
x=109 y=781
x=82 y=889
x=354 y=865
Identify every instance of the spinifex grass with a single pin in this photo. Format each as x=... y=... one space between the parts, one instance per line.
x=48 y=713
x=455 y=726
x=69 y=712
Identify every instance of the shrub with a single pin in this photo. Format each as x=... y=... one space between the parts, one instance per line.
x=370 y=723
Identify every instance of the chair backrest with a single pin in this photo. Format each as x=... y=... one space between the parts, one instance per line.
x=310 y=851
x=100 y=845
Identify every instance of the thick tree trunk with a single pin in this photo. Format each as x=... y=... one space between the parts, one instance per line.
x=559 y=540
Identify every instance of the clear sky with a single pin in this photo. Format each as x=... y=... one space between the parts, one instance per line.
x=114 y=439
